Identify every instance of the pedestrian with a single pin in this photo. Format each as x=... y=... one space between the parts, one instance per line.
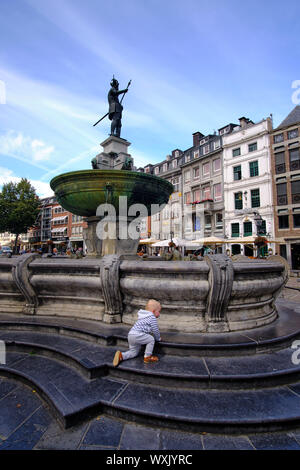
x=144 y=332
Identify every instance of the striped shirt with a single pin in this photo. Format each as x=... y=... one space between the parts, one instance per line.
x=146 y=323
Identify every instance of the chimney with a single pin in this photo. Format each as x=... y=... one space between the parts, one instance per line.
x=197 y=136
x=243 y=122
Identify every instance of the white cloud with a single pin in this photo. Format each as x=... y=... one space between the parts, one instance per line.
x=42 y=189
x=40 y=151
x=16 y=143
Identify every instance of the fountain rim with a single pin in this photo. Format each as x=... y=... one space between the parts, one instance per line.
x=93 y=173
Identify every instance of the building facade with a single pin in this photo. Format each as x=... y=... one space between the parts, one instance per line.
x=56 y=227
x=285 y=154
x=248 y=184
x=196 y=207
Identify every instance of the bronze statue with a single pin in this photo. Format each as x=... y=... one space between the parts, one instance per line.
x=115 y=107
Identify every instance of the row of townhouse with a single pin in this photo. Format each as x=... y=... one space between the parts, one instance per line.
x=241 y=181
x=58 y=225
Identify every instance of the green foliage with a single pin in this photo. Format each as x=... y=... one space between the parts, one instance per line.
x=19 y=207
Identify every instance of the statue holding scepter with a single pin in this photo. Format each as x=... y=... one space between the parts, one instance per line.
x=115 y=107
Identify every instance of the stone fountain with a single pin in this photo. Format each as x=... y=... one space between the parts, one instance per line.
x=112 y=282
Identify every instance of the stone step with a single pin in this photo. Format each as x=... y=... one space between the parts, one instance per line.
x=277 y=335
x=74 y=398
x=93 y=360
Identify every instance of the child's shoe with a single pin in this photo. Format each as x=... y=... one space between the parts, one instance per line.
x=150 y=359
x=117 y=359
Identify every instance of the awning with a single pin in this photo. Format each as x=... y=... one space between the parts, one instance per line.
x=208 y=241
x=58 y=219
x=237 y=240
x=148 y=241
x=59 y=229
x=176 y=241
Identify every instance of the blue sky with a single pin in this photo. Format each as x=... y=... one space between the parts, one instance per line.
x=195 y=66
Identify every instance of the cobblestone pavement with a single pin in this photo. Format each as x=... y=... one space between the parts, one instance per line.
x=290 y=292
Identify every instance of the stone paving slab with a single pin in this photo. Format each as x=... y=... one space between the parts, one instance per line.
x=217 y=408
x=38 y=430
x=67 y=390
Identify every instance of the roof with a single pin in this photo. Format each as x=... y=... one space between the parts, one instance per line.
x=292 y=118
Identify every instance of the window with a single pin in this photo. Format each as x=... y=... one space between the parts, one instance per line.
x=279 y=162
x=175 y=163
x=207 y=221
x=219 y=220
x=166 y=213
x=294 y=159
x=253 y=168
x=175 y=182
x=196 y=154
x=262 y=230
x=187 y=158
x=206 y=149
x=296 y=219
x=187 y=198
x=205 y=169
x=187 y=176
x=206 y=193
x=283 y=221
x=217 y=144
x=278 y=138
x=252 y=147
x=238 y=200
x=247 y=229
x=165 y=167
x=235 y=230
x=218 y=192
x=196 y=172
x=236 y=152
x=196 y=195
x=281 y=194
x=237 y=172
x=255 y=198
x=295 y=187
x=76 y=218
x=293 y=134
x=217 y=164
x=196 y=223
x=156 y=170
x=175 y=210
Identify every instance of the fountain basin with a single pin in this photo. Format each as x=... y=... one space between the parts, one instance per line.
x=81 y=192
x=112 y=290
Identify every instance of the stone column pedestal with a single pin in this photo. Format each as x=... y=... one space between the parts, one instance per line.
x=115 y=238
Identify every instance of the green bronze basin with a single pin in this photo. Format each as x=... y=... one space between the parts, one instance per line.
x=81 y=192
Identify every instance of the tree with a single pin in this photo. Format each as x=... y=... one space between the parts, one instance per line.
x=19 y=208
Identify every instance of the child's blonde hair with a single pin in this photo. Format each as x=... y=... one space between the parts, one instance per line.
x=152 y=305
